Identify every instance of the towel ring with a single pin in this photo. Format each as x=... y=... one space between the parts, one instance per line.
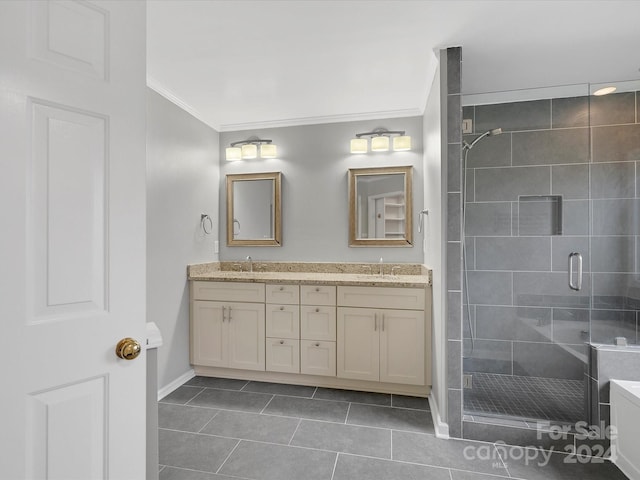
x=204 y=220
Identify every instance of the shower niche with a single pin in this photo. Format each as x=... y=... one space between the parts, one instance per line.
x=539 y=215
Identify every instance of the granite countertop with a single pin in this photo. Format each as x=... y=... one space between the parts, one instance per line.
x=327 y=274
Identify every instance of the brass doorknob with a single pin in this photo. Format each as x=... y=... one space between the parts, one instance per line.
x=128 y=349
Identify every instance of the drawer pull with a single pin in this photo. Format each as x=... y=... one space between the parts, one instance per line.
x=317 y=289
x=317 y=344
x=281 y=288
x=281 y=308
x=317 y=310
x=281 y=342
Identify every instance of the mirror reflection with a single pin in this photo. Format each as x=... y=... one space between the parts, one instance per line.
x=380 y=206
x=253 y=209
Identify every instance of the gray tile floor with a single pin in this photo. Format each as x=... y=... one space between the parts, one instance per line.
x=222 y=429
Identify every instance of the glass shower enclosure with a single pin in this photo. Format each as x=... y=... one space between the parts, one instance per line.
x=551 y=255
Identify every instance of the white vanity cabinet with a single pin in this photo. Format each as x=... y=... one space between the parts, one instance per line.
x=282 y=346
x=385 y=343
x=318 y=330
x=228 y=325
x=371 y=338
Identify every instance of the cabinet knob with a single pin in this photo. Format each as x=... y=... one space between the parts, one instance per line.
x=281 y=308
x=317 y=289
x=281 y=342
x=317 y=310
x=281 y=288
x=317 y=344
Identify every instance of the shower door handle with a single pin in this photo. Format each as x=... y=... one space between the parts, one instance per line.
x=578 y=284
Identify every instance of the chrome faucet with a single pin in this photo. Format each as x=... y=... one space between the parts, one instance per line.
x=250 y=263
x=381 y=268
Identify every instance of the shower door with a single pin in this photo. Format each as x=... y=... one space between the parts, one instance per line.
x=527 y=254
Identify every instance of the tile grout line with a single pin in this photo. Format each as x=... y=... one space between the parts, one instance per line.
x=313 y=395
x=225 y=460
x=186 y=469
x=335 y=464
x=391 y=443
x=210 y=420
x=193 y=398
x=504 y=464
x=269 y=402
x=295 y=431
x=346 y=418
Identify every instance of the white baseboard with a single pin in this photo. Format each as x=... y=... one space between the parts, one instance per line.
x=441 y=428
x=167 y=389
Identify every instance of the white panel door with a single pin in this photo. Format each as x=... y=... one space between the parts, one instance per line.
x=72 y=248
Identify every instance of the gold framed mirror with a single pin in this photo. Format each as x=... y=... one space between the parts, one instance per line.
x=380 y=207
x=254 y=209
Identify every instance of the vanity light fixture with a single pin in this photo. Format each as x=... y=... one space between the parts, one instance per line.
x=380 y=141
x=604 y=91
x=248 y=149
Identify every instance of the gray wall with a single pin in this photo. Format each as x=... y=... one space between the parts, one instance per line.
x=314 y=160
x=182 y=182
x=526 y=320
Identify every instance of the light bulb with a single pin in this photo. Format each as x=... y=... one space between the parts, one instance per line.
x=604 y=91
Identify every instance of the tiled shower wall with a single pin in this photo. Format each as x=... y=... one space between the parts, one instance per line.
x=534 y=194
x=451 y=101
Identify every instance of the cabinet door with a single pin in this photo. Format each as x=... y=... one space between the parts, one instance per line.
x=318 y=358
x=283 y=321
x=245 y=324
x=358 y=344
x=401 y=346
x=283 y=355
x=208 y=334
x=318 y=323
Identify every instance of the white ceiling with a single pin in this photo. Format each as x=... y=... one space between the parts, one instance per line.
x=239 y=64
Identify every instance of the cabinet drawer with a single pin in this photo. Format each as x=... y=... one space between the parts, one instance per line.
x=318 y=322
x=287 y=294
x=317 y=295
x=318 y=358
x=381 y=297
x=283 y=321
x=228 y=291
x=283 y=355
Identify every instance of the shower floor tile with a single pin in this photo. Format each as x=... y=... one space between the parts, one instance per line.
x=529 y=398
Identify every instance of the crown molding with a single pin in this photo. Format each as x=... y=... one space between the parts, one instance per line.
x=348 y=117
x=157 y=87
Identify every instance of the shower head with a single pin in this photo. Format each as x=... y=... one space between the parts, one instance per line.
x=488 y=133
